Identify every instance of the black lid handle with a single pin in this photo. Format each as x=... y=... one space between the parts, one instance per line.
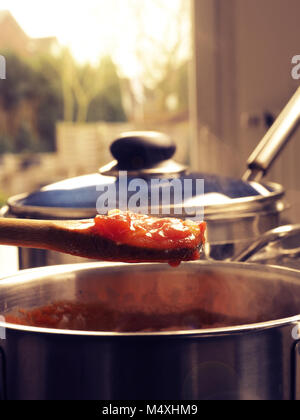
x=138 y=150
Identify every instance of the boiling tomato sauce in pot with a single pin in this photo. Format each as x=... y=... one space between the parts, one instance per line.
x=98 y=317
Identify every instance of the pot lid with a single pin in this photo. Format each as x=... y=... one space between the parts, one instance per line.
x=144 y=160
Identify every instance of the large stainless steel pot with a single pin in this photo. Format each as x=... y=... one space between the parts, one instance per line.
x=254 y=355
x=237 y=211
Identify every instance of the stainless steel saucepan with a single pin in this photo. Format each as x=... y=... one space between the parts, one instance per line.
x=203 y=331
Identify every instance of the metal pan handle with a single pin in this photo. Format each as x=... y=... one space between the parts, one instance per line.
x=274 y=141
x=271 y=243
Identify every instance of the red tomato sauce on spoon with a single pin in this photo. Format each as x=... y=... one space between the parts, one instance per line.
x=149 y=232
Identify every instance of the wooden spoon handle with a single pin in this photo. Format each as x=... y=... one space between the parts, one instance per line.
x=25 y=232
x=43 y=234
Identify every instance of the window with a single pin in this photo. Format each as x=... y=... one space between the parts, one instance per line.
x=82 y=72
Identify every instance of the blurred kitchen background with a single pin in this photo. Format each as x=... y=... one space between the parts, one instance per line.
x=211 y=73
x=78 y=76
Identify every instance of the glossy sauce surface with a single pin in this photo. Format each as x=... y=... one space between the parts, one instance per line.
x=149 y=232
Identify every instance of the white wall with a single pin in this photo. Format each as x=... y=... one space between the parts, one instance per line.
x=243 y=65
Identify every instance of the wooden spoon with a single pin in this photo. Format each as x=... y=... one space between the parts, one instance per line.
x=80 y=238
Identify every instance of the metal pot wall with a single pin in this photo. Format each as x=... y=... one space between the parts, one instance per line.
x=237 y=211
x=249 y=347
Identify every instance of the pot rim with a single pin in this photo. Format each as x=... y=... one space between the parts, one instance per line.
x=239 y=207
x=237 y=330
x=36 y=273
